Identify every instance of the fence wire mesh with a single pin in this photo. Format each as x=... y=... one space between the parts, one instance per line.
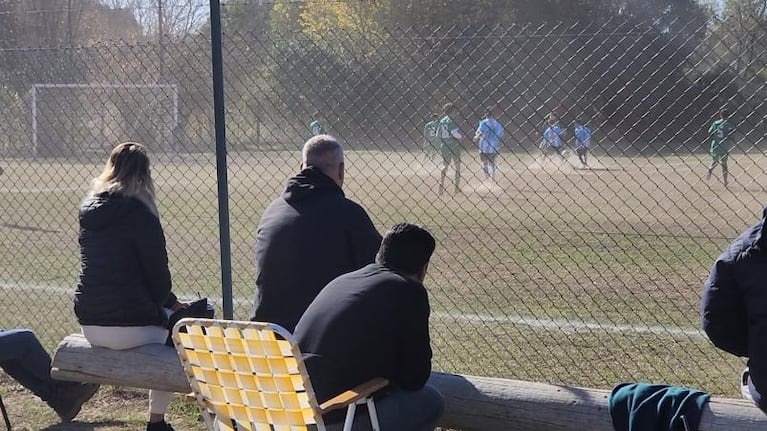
x=553 y=270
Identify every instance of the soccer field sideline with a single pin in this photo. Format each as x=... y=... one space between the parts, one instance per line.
x=536 y=323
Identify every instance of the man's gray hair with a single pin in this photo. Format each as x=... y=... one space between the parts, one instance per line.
x=323 y=152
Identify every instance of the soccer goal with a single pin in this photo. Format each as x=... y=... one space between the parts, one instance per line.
x=85 y=119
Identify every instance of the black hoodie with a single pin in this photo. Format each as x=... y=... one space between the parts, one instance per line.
x=306 y=238
x=734 y=304
x=124 y=276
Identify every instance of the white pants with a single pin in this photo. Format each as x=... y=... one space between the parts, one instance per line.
x=126 y=337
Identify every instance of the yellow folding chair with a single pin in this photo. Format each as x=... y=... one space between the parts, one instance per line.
x=251 y=376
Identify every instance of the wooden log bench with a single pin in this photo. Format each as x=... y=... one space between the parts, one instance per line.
x=472 y=403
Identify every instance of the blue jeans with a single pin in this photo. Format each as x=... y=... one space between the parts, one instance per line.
x=402 y=411
x=24 y=359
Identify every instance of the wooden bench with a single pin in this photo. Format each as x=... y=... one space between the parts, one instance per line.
x=472 y=403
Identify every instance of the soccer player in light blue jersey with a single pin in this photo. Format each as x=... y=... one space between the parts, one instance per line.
x=488 y=138
x=553 y=138
x=582 y=141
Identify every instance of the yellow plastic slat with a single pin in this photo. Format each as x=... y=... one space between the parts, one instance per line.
x=227 y=379
x=259 y=365
x=271 y=400
x=252 y=399
x=240 y=363
x=290 y=401
x=221 y=361
x=266 y=384
x=298 y=383
x=278 y=365
x=284 y=383
x=246 y=382
x=234 y=396
x=239 y=413
x=194 y=330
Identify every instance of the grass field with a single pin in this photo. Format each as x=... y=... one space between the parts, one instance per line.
x=555 y=274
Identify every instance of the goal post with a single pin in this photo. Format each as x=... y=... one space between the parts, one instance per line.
x=35 y=93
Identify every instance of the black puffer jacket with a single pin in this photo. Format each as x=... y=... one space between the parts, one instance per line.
x=734 y=305
x=124 y=276
x=307 y=237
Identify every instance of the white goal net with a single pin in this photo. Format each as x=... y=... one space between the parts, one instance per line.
x=75 y=120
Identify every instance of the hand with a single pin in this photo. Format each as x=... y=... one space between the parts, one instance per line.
x=179 y=305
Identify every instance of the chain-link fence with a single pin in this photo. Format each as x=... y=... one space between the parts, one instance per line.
x=552 y=270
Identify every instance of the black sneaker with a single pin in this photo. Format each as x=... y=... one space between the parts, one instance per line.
x=159 y=426
x=70 y=398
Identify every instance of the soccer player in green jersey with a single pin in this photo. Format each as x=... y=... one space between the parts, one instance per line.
x=720 y=131
x=450 y=147
x=431 y=142
x=315 y=127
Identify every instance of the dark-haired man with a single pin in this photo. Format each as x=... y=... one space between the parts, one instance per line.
x=309 y=236
x=374 y=322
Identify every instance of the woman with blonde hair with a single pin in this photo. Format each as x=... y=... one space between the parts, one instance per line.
x=125 y=285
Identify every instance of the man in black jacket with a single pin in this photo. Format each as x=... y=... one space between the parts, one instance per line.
x=734 y=307
x=309 y=236
x=374 y=322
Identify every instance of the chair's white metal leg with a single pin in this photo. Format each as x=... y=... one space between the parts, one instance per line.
x=211 y=424
x=373 y=414
x=350 y=417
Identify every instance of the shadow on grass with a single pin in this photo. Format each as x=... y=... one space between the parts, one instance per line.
x=83 y=426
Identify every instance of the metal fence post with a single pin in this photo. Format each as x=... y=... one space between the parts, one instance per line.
x=221 y=168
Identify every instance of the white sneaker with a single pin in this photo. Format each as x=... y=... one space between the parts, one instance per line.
x=745 y=377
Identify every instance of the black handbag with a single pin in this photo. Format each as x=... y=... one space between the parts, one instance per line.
x=199 y=308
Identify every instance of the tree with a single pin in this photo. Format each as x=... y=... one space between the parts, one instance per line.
x=743 y=28
x=160 y=18
x=432 y=13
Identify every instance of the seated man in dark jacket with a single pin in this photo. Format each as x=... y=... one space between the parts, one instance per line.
x=734 y=307
x=374 y=322
x=309 y=236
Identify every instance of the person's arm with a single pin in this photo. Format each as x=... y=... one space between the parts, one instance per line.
x=480 y=131
x=723 y=311
x=414 y=357
x=149 y=240
x=455 y=131
x=712 y=130
x=363 y=237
